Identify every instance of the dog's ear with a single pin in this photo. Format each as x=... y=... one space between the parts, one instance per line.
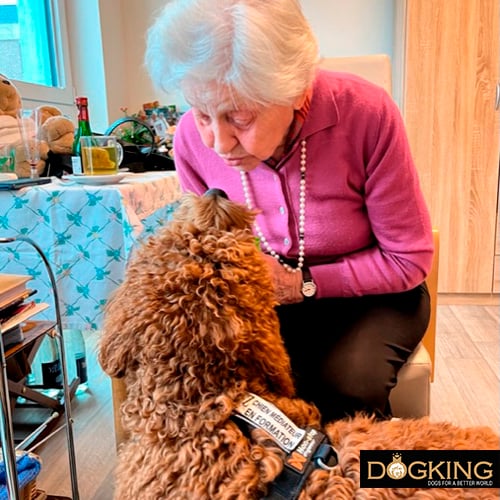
x=117 y=341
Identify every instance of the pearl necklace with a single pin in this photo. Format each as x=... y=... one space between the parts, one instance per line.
x=302 y=214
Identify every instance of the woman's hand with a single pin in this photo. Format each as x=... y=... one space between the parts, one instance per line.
x=287 y=285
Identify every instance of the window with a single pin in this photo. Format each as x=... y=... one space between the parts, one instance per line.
x=33 y=49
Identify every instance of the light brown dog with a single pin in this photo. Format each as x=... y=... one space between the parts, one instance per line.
x=193 y=330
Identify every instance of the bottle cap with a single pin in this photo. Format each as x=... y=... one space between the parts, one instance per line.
x=81 y=100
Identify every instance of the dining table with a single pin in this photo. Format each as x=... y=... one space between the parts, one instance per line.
x=87 y=230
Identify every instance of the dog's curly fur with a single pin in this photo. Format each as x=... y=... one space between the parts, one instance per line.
x=192 y=329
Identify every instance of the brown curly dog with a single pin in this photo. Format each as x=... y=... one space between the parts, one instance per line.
x=193 y=330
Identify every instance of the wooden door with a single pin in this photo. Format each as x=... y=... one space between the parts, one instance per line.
x=451 y=74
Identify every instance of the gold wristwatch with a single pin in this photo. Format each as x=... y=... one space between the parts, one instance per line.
x=309 y=288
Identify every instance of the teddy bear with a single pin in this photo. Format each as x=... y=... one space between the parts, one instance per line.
x=10 y=132
x=55 y=133
x=10 y=104
x=58 y=132
x=10 y=99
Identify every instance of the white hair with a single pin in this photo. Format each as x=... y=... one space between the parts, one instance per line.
x=261 y=51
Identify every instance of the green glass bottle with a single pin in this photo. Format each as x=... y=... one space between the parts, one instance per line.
x=82 y=130
x=46 y=371
x=74 y=344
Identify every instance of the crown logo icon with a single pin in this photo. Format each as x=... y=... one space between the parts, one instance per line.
x=396 y=469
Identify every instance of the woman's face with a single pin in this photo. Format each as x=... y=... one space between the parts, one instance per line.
x=243 y=137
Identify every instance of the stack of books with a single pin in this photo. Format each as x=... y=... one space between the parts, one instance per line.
x=16 y=306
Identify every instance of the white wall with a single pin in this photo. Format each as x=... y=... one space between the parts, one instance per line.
x=114 y=32
x=351 y=28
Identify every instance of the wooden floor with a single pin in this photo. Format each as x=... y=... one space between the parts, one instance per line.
x=466 y=391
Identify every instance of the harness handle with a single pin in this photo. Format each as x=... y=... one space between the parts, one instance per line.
x=325 y=457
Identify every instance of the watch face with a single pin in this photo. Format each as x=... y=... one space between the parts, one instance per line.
x=308 y=289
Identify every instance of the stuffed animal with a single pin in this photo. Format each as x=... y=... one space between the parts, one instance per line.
x=10 y=133
x=47 y=112
x=58 y=131
x=10 y=104
x=10 y=99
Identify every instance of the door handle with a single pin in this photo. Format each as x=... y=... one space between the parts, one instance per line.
x=497 y=96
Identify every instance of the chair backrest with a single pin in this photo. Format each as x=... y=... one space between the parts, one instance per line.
x=376 y=68
x=118 y=395
x=429 y=339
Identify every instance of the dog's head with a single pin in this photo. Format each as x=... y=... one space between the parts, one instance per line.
x=196 y=308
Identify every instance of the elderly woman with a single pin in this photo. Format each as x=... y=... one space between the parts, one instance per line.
x=325 y=158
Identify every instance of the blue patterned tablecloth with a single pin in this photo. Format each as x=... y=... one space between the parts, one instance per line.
x=87 y=233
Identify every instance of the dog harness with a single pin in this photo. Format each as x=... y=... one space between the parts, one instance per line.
x=306 y=449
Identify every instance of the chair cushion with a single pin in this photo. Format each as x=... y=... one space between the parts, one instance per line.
x=411 y=396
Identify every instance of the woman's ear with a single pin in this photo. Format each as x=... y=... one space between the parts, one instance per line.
x=301 y=99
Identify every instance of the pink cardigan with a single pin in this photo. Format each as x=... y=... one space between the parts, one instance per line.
x=367 y=229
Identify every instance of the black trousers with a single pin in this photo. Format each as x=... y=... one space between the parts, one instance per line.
x=346 y=352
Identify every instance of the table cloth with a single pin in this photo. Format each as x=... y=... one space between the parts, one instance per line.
x=87 y=233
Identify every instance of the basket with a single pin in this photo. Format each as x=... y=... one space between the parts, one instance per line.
x=31 y=492
x=28 y=466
